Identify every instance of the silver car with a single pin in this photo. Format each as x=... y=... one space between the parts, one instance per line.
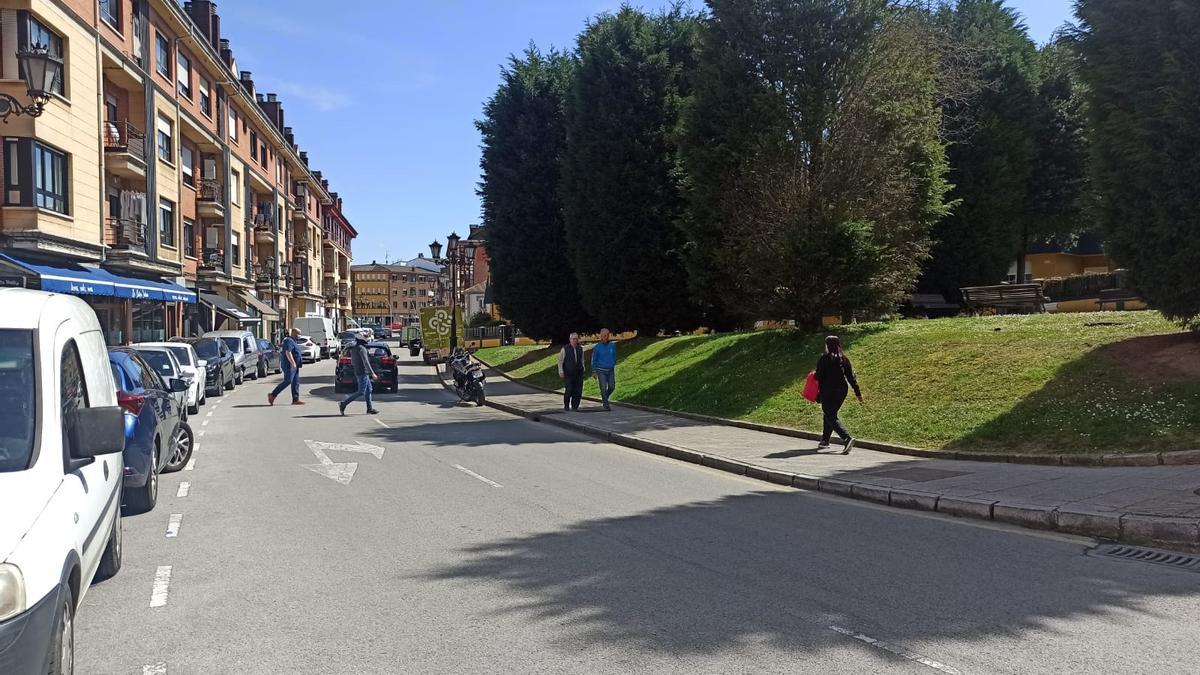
x=245 y=352
x=163 y=361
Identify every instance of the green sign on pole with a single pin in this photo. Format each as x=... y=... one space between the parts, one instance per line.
x=435 y=327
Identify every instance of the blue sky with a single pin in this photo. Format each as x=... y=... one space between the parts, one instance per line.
x=383 y=95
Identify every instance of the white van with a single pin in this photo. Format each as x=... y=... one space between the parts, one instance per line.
x=61 y=470
x=322 y=332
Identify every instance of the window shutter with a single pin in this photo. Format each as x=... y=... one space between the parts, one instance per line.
x=9 y=44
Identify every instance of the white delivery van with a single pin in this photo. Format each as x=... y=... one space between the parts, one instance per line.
x=61 y=440
x=322 y=332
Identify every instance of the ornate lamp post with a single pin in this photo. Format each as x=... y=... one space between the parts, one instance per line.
x=457 y=256
x=40 y=69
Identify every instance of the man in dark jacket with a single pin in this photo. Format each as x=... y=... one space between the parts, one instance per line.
x=290 y=362
x=570 y=369
x=360 y=360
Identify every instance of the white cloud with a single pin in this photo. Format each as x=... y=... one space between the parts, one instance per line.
x=320 y=98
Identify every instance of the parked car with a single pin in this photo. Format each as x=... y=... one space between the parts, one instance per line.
x=219 y=366
x=168 y=368
x=412 y=337
x=61 y=437
x=322 y=332
x=268 y=358
x=310 y=351
x=381 y=332
x=347 y=339
x=245 y=352
x=193 y=366
x=157 y=439
x=383 y=362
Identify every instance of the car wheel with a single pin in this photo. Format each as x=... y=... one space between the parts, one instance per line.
x=193 y=409
x=143 y=499
x=227 y=385
x=110 y=562
x=62 y=648
x=239 y=377
x=180 y=449
x=262 y=371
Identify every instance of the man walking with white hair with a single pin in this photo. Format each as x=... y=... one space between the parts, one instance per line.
x=570 y=369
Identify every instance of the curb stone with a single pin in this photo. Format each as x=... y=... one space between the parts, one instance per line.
x=1079 y=520
x=1171 y=458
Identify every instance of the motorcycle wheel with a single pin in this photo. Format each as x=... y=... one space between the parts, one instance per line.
x=479 y=398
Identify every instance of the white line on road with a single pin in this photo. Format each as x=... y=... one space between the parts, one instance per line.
x=195 y=448
x=210 y=412
x=200 y=433
x=897 y=651
x=162 y=583
x=184 y=487
x=159 y=668
x=381 y=423
x=190 y=465
x=173 y=524
x=205 y=423
x=475 y=475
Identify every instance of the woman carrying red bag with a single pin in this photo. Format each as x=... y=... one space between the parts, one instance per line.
x=832 y=374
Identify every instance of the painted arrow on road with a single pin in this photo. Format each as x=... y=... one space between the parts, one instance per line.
x=342 y=472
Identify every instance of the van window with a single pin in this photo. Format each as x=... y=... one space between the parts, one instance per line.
x=149 y=378
x=183 y=355
x=232 y=343
x=74 y=392
x=17 y=403
x=159 y=361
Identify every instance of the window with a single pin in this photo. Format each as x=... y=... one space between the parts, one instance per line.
x=253 y=144
x=237 y=249
x=38 y=34
x=183 y=74
x=162 y=54
x=74 y=392
x=146 y=376
x=18 y=404
x=189 y=238
x=233 y=124
x=235 y=187
x=166 y=146
x=110 y=11
x=186 y=164
x=205 y=97
x=166 y=222
x=263 y=160
x=50 y=178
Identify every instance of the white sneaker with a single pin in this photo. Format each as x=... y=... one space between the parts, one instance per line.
x=822 y=446
x=848 y=447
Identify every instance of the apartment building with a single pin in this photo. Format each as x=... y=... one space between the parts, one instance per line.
x=396 y=294
x=157 y=183
x=339 y=234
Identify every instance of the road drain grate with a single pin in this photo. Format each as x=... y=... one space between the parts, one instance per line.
x=1180 y=561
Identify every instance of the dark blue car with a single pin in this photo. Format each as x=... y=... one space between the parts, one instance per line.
x=156 y=437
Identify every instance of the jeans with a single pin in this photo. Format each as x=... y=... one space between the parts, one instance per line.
x=572 y=391
x=831 y=403
x=290 y=378
x=607 y=379
x=364 y=389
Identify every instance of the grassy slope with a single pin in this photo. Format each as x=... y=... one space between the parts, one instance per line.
x=1049 y=383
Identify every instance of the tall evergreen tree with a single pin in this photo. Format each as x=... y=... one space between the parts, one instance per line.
x=992 y=161
x=815 y=167
x=524 y=133
x=621 y=195
x=1141 y=65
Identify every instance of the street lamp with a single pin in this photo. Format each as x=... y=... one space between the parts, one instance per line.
x=456 y=257
x=41 y=70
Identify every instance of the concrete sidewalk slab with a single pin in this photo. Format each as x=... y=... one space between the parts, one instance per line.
x=1155 y=505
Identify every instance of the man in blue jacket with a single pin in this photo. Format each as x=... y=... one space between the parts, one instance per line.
x=604 y=365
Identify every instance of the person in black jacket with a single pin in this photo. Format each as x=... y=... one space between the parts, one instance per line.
x=571 y=369
x=833 y=373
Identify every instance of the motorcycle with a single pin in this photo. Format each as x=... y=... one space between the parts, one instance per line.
x=468 y=377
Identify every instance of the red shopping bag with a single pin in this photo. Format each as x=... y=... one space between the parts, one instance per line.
x=811 y=387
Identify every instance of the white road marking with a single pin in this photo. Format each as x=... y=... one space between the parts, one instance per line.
x=200 y=433
x=159 y=668
x=380 y=423
x=162 y=584
x=347 y=447
x=475 y=475
x=184 y=487
x=205 y=423
x=190 y=465
x=210 y=412
x=195 y=448
x=173 y=524
x=897 y=651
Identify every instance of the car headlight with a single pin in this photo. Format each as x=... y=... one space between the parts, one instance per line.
x=12 y=591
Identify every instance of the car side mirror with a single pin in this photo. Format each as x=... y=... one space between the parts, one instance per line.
x=178 y=384
x=95 y=431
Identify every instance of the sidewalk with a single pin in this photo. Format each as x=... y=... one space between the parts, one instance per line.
x=1154 y=505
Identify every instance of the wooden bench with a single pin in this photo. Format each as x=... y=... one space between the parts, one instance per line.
x=1021 y=297
x=1117 y=297
x=931 y=304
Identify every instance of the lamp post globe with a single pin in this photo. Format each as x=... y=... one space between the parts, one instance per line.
x=452 y=242
x=40 y=69
x=435 y=250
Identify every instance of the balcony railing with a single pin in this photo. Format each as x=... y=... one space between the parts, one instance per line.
x=265 y=274
x=125 y=233
x=264 y=220
x=213 y=259
x=210 y=190
x=123 y=137
x=301 y=243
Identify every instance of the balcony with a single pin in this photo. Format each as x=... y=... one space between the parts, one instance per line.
x=301 y=243
x=264 y=228
x=210 y=199
x=212 y=263
x=265 y=277
x=125 y=234
x=124 y=150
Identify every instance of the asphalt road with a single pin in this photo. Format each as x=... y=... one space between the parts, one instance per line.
x=480 y=542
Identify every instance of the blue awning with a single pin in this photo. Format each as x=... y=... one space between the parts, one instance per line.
x=147 y=289
x=64 y=277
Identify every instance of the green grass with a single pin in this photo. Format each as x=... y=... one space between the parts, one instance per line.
x=1070 y=383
